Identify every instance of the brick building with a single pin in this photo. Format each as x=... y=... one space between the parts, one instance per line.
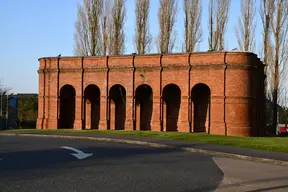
x=213 y=92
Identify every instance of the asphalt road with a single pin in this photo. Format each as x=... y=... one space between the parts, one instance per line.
x=40 y=164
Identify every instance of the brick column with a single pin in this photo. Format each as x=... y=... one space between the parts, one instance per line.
x=39 y=124
x=87 y=113
x=112 y=115
x=41 y=99
x=103 y=113
x=138 y=117
x=155 y=121
x=164 y=116
x=192 y=116
x=217 y=124
x=78 y=113
x=183 y=121
x=129 y=113
x=46 y=112
x=52 y=121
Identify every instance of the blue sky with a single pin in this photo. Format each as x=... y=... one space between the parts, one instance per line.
x=32 y=29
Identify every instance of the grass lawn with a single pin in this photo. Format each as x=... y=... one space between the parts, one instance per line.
x=277 y=144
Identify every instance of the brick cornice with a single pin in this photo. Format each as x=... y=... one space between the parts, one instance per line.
x=171 y=67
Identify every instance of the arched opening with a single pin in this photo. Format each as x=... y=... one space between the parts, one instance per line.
x=117 y=100
x=67 y=107
x=144 y=105
x=200 y=96
x=91 y=107
x=171 y=106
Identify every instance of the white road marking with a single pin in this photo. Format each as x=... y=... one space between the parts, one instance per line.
x=79 y=154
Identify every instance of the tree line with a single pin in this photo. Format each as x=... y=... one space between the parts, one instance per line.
x=99 y=30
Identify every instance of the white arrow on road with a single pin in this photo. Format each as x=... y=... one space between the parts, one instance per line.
x=79 y=154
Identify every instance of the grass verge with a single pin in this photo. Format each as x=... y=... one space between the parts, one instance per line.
x=276 y=144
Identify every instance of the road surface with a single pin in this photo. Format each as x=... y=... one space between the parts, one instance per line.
x=46 y=164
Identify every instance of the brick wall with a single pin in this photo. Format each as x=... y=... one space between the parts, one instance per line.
x=227 y=99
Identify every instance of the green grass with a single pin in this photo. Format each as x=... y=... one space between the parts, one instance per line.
x=276 y=144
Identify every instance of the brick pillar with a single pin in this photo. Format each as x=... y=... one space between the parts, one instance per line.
x=78 y=113
x=217 y=124
x=87 y=114
x=112 y=115
x=164 y=110
x=192 y=129
x=183 y=121
x=39 y=124
x=155 y=121
x=52 y=121
x=46 y=111
x=103 y=114
x=138 y=117
x=129 y=113
x=41 y=104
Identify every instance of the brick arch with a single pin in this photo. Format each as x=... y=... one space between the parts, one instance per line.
x=171 y=106
x=144 y=106
x=117 y=107
x=67 y=107
x=201 y=102
x=91 y=107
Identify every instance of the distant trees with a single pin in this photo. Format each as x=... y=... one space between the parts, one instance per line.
x=279 y=26
x=167 y=18
x=217 y=23
x=105 y=21
x=27 y=110
x=99 y=28
x=274 y=16
x=266 y=8
x=4 y=90
x=143 y=38
x=87 y=28
x=4 y=99
x=116 y=30
x=245 y=30
x=192 y=23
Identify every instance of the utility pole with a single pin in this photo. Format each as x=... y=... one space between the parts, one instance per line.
x=0 y=111
x=7 y=111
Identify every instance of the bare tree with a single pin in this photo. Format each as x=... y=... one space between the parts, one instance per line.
x=245 y=30
x=266 y=11
x=81 y=34
x=105 y=24
x=192 y=22
x=143 y=37
x=116 y=30
x=5 y=95
x=3 y=89
x=269 y=71
x=222 y=15
x=167 y=18
x=218 y=18
x=87 y=34
x=211 y=24
x=279 y=26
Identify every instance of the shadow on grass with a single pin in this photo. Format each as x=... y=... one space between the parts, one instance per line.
x=270 y=144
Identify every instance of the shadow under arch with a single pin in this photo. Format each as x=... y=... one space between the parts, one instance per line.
x=91 y=107
x=200 y=96
x=67 y=107
x=117 y=107
x=171 y=106
x=144 y=106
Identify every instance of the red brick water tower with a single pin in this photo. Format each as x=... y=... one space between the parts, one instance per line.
x=216 y=92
